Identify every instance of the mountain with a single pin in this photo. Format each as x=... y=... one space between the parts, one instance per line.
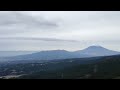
x=14 y=53
x=47 y=55
x=91 y=51
x=97 y=51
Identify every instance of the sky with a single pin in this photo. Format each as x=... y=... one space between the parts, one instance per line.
x=53 y=30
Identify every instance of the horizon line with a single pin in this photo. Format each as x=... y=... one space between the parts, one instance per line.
x=55 y=49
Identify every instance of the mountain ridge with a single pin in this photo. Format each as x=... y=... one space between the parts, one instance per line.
x=91 y=51
x=97 y=51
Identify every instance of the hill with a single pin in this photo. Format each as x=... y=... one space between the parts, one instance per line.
x=92 y=68
x=91 y=51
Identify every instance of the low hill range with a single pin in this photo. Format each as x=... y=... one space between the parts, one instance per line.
x=91 y=51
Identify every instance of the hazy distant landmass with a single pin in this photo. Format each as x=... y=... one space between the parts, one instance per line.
x=14 y=53
x=97 y=51
x=91 y=51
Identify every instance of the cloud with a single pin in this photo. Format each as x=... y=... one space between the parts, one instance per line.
x=38 y=39
x=30 y=20
x=18 y=22
x=59 y=29
x=15 y=17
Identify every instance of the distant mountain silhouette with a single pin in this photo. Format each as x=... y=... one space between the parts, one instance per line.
x=48 y=55
x=91 y=51
x=97 y=51
x=14 y=53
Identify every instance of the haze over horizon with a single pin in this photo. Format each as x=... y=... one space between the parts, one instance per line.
x=64 y=30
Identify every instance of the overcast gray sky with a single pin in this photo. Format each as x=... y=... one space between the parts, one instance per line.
x=51 y=30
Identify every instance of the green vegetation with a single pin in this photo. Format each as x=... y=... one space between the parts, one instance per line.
x=86 y=68
x=107 y=68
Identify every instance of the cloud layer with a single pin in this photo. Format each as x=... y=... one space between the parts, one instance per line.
x=70 y=30
x=37 y=39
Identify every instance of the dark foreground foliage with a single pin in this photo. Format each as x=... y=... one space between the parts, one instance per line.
x=86 y=68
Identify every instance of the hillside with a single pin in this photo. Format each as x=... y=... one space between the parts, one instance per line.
x=91 y=68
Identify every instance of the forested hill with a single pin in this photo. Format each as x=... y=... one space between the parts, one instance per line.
x=95 y=68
